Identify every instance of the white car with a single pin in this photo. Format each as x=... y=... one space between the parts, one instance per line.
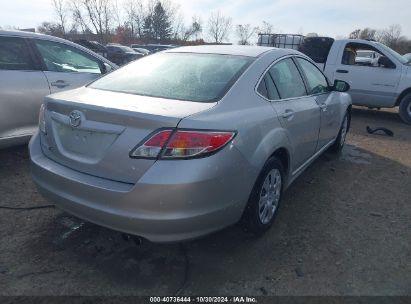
x=365 y=57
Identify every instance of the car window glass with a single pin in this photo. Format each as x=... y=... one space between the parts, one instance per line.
x=271 y=89
x=262 y=89
x=63 y=58
x=316 y=80
x=393 y=53
x=287 y=79
x=184 y=76
x=14 y=54
x=359 y=54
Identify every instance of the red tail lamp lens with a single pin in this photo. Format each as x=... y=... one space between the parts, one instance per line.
x=182 y=144
x=195 y=143
x=152 y=147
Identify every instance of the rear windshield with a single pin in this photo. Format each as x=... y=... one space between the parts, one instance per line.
x=183 y=76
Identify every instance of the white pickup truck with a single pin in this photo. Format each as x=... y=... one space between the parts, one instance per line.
x=381 y=83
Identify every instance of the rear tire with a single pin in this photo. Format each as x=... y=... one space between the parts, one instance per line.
x=338 y=145
x=405 y=109
x=265 y=198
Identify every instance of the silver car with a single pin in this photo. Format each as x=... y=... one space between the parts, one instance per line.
x=33 y=66
x=188 y=141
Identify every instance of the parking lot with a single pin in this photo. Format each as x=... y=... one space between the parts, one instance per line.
x=343 y=229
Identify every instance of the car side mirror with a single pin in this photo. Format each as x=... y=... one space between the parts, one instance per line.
x=340 y=86
x=385 y=62
x=107 y=68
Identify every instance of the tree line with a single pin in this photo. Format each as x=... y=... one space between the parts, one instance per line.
x=391 y=37
x=127 y=21
x=161 y=21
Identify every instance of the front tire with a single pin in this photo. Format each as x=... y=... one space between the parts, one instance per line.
x=405 y=109
x=339 y=143
x=265 y=197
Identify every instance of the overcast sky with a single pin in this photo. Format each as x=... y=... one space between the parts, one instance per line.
x=328 y=18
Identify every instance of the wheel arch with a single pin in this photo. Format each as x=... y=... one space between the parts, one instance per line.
x=401 y=96
x=283 y=155
x=277 y=143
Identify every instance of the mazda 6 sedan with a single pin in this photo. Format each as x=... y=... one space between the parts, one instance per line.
x=188 y=141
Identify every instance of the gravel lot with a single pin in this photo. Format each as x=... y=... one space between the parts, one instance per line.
x=344 y=229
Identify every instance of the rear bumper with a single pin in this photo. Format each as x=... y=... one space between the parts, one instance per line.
x=173 y=201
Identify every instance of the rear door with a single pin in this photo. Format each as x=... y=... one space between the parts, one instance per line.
x=298 y=113
x=318 y=88
x=65 y=66
x=22 y=88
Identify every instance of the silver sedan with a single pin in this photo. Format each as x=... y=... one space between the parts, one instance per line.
x=188 y=141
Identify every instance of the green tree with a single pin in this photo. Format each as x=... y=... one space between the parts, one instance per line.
x=161 y=24
x=148 y=27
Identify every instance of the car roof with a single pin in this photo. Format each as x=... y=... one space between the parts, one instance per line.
x=372 y=42
x=22 y=34
x=18 y=33
x=237 y=50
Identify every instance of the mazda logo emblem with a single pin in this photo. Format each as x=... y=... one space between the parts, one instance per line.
x=75 y=118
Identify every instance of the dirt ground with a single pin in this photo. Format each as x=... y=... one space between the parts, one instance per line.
x=344 y=229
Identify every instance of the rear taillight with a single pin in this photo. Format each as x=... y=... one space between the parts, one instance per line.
x=153 y=146
x=169 y=144
x=42 y=121
x=185 y=144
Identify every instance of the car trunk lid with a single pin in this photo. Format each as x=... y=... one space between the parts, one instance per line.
x=93 y=131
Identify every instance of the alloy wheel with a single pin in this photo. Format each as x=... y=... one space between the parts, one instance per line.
x=270 y=196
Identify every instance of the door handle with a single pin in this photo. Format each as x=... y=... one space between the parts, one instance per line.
x=323 y=107
x=60 y=84
x=342 y=71
x=289 y=114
